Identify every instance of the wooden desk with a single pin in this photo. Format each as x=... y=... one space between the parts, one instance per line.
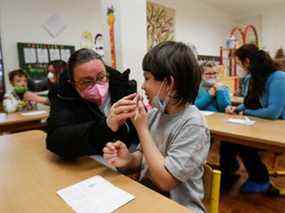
x=17 y=122
x=237 y=100
x=30 y=177
x=266 y=134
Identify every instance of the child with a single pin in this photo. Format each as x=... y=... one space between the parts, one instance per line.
x=15 y=100
x=174 y=138
x=212 y=96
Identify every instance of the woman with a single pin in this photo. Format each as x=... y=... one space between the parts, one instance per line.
x=265 y=99
x=80 y=121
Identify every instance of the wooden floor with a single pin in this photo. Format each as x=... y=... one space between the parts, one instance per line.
x=234 y=202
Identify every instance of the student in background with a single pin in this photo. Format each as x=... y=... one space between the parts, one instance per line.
x=265 y=99
x=54 y=70
x=15 y=100
x=174 y=138
x=213 y=95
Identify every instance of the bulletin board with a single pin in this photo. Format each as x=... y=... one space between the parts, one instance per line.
x=34 y=57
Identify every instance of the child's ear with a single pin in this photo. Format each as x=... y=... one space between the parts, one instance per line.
x=171 y=85
x=169 y=82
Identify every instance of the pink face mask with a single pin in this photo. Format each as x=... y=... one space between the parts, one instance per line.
x=96 y=94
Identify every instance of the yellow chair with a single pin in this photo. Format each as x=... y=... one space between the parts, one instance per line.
x=273 y=165
x=212 y=183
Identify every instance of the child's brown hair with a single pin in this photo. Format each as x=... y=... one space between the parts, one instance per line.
x=18 y=72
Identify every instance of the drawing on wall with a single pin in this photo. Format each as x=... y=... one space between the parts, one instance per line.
x=55 y=25
x=86 y=40
x=99 y=44
x=160 y=24
x=111 y=25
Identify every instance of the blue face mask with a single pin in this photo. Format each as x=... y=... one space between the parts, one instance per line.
x=209 y=83
x=157 y=102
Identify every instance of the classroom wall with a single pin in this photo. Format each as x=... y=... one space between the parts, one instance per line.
x=273 y=29
x=21 y=21
x=133 y=37
x=269 y=24
x=130 y=35
x=201 y=24
x=196 y=22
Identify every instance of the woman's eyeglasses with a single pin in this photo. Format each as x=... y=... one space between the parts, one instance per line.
x=88 y=82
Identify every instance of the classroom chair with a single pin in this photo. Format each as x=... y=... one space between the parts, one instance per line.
x=212 y=183
x=273 y=167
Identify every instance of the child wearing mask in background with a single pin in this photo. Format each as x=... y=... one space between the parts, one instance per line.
x=213 y=95
x=54 y=71
x=15 y=100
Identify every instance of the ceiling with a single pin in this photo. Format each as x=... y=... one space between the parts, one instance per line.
x=240 y=8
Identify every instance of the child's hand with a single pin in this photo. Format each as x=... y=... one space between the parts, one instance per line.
x=30 y=96
x=218 y=85
x=117 y=154
x=212 y=91
x=140 y=119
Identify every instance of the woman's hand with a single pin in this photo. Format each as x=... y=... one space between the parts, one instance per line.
x=117 y=154
x=122 y=110
x=230 y=109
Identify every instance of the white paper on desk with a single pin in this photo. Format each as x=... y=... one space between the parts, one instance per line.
x=95 y=195
x=246 y=122
x=206 y=113
x=3 y=116
x=33 y=113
